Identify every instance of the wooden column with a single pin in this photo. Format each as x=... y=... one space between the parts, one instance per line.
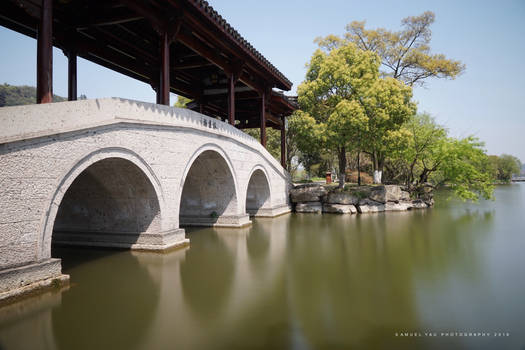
x=164 y=82
x=283 y=143
x=231 y=100
x=263 y=119
x=44 y=59
x=72 y=75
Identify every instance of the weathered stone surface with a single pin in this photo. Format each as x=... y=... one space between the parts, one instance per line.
x=336 y=197
x=388 y=193
x=307 y=193
x=419 y=204
x=309 y=207
x=140 y=157
x=339 y=208
x=369 y=206
x=378 y=194
x=399 y=206
x=404 y=196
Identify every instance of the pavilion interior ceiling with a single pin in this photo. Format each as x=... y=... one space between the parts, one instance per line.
x=205 y=52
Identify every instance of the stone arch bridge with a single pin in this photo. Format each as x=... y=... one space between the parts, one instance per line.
x=121 y=173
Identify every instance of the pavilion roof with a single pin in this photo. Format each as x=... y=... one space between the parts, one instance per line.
x=123 y=35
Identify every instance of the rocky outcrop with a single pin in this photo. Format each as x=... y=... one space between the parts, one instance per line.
x=307 y=193
x=315 y=198
x=339 y=208
x=341 y=197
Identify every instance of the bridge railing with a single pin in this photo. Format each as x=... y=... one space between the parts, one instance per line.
x=32 y=121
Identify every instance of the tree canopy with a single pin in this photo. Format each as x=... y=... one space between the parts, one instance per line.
x=430 y=156
x=346 y=104
x=504 y=167
x=405 y=54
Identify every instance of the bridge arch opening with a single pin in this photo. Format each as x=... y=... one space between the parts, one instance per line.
x=209 y=193
x=258 y=193
x=110 y=203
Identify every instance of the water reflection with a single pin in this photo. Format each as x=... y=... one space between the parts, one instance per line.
x=301 y=282
x=117 y=282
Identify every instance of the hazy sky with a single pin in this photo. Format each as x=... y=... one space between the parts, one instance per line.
x=488 y=100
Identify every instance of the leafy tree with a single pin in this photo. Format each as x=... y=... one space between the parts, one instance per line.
x=504 y=166
x=307 y=139
x=349 y=107
x=430 y=156
x=405 y=54
x=11 y=95
x=273 y=140
x=182 y=101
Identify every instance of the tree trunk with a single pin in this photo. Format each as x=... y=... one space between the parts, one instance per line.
x=378 y=168
x=342 y=167
x=358 y=169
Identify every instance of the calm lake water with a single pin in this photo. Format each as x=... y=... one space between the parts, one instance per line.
x=299 y=282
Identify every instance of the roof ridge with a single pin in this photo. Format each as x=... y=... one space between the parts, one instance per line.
x=218 y=19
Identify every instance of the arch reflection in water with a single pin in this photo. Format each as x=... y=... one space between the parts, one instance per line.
x=110 y=280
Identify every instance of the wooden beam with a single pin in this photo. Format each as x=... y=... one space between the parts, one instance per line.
x=234 y=48
x=283 y=143
x=271 y=118
x=164 y=86
x=204 y=51
x=156 y=19
x=231 y=99
x=44 y=66
x=263 y=119
x=72 y=75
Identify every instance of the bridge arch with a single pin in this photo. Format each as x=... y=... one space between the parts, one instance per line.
x=258 y=191
x=104 y=169
x=209 y=192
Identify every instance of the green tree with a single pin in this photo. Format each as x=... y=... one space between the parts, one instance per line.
x=405 y=54
x=504 y=167
x=182 y=101
x=349 y=107
x=273 y=140
x=430 y=156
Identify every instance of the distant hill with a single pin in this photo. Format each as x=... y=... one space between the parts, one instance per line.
x=11 y=95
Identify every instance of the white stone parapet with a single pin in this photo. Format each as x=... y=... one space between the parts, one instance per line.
x=122 y=173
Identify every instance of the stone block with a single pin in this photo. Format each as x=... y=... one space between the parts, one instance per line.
x=369 y=206
x=307 y=193
x=336 y=197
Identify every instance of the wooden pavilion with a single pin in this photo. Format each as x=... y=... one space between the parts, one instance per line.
x=179 y=46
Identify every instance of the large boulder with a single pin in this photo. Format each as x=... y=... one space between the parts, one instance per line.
x=394 y=193
x=307 y=193
x=378 y=194
x=340 y=197
x=309 y=207
x=339 y=208
x=388 y=193
x=369 y=206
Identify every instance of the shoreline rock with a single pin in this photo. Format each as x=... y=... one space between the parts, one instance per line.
x=315 y=198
